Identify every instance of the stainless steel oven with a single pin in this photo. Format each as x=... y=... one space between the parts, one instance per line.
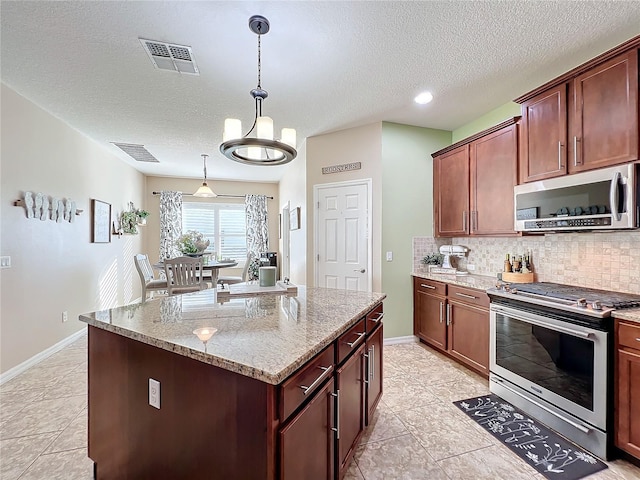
x=554 y=370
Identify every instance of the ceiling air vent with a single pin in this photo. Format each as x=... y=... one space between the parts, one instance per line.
x=168 y=56
x=137 y=152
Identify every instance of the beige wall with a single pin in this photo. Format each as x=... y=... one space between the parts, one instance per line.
x=55 y=267
x=293 y=191
x=407 y=199
x=152 y=205
x=361 y=144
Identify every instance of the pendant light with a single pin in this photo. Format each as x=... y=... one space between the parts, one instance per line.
x=261 y=149
x=204 y=190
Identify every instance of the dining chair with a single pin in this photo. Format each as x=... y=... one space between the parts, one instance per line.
x=147 y=279
x=184 y=274
x=229 y=280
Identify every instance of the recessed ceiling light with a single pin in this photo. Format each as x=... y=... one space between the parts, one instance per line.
x=423 y=98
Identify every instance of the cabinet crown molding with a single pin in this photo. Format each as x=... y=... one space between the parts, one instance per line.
x=476 y=136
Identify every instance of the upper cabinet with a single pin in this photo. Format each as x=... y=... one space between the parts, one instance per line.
x=473 y=184
x=584 y=119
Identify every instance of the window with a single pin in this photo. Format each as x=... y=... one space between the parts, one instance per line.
x=224 y=225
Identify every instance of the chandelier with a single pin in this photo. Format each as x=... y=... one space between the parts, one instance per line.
x=204 y=190
x=260 y=149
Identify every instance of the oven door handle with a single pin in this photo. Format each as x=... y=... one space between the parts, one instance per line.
x=546 y=409
x=550 y=326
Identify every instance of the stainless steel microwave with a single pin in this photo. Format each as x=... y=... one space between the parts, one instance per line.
x=604 y=199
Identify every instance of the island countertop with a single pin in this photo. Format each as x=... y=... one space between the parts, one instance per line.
x=265 y=337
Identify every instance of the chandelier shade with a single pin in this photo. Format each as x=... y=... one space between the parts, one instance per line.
x=261 y=149
x=204 y=190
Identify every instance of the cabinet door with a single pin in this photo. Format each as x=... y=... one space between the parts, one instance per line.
x=306 y=442
x=429 y=319
x=451 y=193
x=350 y=390
x=544 y=135
x=374 y=372
x=469 y=335
x=628 y=401
x=604 y=115
x=494 y=168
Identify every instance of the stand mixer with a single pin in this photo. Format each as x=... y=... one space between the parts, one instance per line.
x=450 y=251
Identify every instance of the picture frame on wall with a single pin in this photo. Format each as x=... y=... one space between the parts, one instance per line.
x=294 y=218
x=100 y=221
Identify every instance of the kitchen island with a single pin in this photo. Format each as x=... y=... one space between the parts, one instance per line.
x=283 y=389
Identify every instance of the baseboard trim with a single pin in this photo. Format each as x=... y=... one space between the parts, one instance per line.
x=18 y=369
x=400 y=340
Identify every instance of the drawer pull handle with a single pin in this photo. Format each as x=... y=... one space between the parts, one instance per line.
x=466 y=296
x=325 y=372
x=360 y=335
x=637 y=339
x=378 y=318
x=427 y=286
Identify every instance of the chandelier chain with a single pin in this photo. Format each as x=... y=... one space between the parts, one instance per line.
x=259 y=63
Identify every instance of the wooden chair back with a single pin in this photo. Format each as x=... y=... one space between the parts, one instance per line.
x=184 y=274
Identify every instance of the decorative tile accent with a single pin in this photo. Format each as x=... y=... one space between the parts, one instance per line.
x=609 y=261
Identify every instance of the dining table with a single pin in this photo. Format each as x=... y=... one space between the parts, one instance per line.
x=212 y=266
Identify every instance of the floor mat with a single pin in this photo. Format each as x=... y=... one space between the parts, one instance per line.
x=546 y=451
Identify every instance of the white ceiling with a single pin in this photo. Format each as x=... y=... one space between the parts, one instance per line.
x=326 y=65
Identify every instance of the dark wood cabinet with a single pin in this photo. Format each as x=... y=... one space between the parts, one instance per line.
x=604 y=115
x=543 y=153
x=428 y=312
x=373 y=379
x=456 y=324
x=584 y=119
x=451 y=192
x=350 y=407
x=627 y=388
x=494 y=173
x=473 y=184
x=307 y=441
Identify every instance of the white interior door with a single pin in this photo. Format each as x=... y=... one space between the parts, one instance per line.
x=343 y=243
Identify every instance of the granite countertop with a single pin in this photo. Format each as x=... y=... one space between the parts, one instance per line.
x=480 y=282
x=266 y=337
x=631 y=314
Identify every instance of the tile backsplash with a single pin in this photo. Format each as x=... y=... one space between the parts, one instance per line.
x=609 y=261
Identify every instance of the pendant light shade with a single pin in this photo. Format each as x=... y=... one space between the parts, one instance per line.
x=261 y=149
x=204 y=190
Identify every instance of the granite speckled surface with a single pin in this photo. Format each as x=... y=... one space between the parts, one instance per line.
x=631 y=314
x=266 y=337
x=481 y=282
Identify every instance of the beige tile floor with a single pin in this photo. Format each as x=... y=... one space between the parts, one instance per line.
x=417 y=432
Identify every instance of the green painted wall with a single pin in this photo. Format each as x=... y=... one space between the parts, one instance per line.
x=407 y=211
x=494 y=117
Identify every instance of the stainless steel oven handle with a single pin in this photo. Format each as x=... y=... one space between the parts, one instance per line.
x=613 y=196
x=546 y=409
x=529 y=319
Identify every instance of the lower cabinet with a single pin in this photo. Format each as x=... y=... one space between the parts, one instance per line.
x=627 y=388
x=326 y=405
x=307 y=442
x=454 y=320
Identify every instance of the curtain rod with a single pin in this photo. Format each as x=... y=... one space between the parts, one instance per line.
x=219 y=195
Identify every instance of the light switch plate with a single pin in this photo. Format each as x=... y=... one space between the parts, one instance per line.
x=5 y=262
x=389 y=256
x=154 y=393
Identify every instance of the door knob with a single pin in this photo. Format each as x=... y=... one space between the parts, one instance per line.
x=361 y=270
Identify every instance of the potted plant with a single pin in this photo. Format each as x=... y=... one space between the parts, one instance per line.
x=192 y=243
x=142 y=217
x=129 y=222
x=433 y=259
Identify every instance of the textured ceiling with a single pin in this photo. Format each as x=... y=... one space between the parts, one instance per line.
x=326 y=65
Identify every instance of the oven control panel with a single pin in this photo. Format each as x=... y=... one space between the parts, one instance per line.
x=569 y=222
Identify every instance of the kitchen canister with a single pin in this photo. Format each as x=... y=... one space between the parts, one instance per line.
x=267 y=276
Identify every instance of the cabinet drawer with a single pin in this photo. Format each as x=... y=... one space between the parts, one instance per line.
x=629 y=335
x=430 y=286
x=468 y=295
x=350 y=340
x=303 y=383
x=373 y=319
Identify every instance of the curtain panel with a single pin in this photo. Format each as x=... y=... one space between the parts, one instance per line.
x=257 y=231
x=170 y=223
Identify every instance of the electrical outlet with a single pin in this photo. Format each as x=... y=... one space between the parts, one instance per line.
x=471 y=267
x=389 y=256
x=65 y=316
x=154 y=393
x=5 y=262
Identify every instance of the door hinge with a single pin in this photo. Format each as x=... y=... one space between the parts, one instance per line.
x=318 y=257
